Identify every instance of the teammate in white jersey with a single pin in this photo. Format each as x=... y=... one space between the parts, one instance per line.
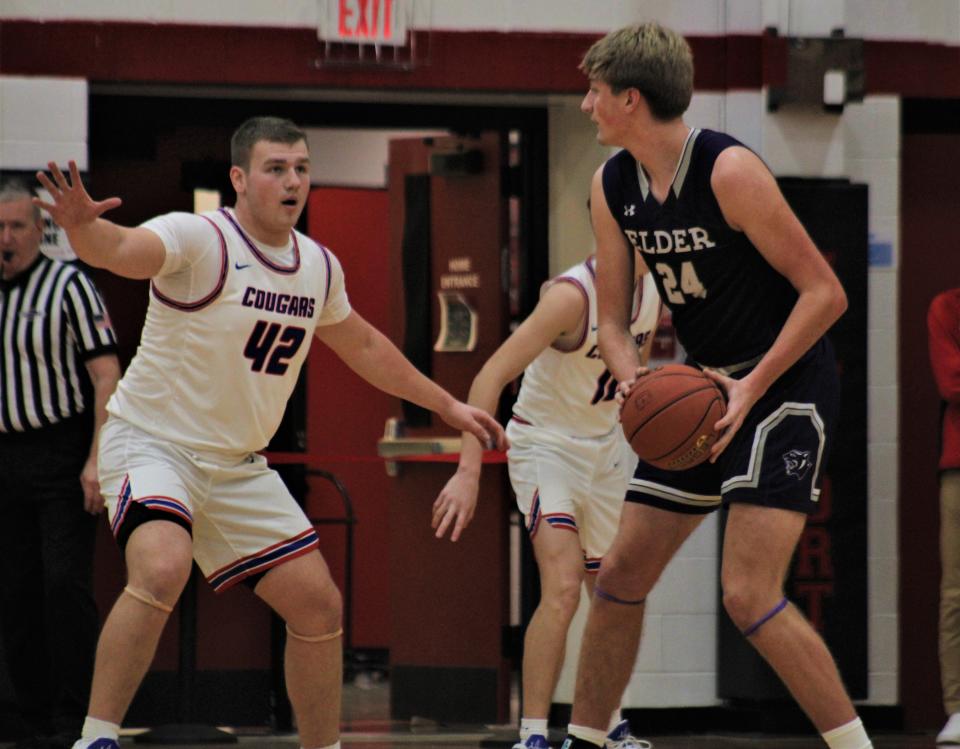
x=569 y=464
x=235 y=296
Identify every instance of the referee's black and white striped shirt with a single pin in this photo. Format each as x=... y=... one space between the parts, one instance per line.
x=52 y=320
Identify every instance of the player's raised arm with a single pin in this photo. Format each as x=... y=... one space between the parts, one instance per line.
x=372 y=355
x=560 y=310
x=129 y=252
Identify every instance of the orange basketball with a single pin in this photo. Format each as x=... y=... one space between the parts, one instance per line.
x=669 y=416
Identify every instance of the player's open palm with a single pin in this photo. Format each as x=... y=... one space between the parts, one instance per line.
x=740 y=399
x=72 y=206
x=454 y=507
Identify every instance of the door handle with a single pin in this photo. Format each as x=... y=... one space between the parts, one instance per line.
x=397 y=447
x=394 y=445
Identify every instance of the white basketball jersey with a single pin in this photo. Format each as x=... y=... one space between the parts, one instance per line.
x=216 y=373
x=571 y=391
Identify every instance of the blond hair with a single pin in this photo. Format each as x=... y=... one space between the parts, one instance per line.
x=655 y=60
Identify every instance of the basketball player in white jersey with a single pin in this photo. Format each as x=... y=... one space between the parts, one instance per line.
x=235 y=296
x=569 y=465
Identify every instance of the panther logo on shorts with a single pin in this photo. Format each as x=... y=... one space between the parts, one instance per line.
x=797 y=463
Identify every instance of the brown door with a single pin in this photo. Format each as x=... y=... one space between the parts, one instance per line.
x=449 y=601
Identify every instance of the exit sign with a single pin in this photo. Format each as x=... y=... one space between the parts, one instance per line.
x=364 y=21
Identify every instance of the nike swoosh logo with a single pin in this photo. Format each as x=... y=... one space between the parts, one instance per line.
x=238 y=266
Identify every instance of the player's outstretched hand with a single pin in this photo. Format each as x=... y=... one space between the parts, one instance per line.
x=72 y=206
x=625 y=386
x=740 y=399
x=478 y=422
x=455 y=505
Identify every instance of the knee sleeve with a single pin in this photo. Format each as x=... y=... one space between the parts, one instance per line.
x=146 y=597
x=314 y=638
x=613 y=599
x=765 y=618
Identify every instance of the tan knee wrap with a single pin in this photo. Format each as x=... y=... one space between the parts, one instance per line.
x=147 y=598
x=314 y=638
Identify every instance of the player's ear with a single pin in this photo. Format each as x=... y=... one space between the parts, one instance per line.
x=238 y=178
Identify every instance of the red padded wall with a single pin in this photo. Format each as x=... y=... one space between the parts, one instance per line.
x=346 y=415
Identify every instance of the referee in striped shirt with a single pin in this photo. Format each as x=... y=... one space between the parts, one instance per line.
x=58 y=366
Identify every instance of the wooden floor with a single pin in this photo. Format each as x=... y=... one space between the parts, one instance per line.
x=397 y=740
x=367 y=725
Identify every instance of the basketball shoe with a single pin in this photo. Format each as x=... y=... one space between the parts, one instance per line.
x=951 y=731
x=533 y=741
x=621 y=738
x=100 y=743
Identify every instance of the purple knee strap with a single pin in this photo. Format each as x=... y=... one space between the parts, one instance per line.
x=613 y=599
x=765 y=618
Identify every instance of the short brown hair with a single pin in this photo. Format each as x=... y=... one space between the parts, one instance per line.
x=256 y=129
x=655 y=60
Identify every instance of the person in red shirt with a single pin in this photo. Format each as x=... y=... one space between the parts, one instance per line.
x=943 y=324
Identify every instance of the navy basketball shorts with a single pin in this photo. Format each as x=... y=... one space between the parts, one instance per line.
x=777 y=457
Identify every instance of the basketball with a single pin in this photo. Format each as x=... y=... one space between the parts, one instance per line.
x=669 y=415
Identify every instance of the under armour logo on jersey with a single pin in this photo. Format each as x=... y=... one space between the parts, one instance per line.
x=630 y=210
x=797 y=463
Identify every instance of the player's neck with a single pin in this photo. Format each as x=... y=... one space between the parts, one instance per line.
x=273 y=237
x=659 y=148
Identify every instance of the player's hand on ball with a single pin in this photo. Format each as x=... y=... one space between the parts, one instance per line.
x=741 y=395
x=625 y=386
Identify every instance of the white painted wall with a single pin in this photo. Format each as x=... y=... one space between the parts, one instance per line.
x=356 y=157
x=574 y=156
x=42 y=119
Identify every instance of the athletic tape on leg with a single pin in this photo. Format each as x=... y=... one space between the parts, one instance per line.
x=146 y=597
x=613 y=599
x=314 y=638
x=765 y=618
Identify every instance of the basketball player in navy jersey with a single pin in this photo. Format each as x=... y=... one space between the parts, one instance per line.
x=236 y=297
x=751 y=299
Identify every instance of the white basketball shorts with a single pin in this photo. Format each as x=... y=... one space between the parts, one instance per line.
x=242 y=517
x=571 y=483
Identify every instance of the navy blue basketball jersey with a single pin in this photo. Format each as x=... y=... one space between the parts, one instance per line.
x=728 y=302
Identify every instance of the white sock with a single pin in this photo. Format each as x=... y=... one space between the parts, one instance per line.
x=94 y=728
x=331 y=746
x=848 y=736
x=615 y=719
x=593 y=735
x=530 y=726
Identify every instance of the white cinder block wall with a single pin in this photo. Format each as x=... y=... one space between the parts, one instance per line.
x=863 y=143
